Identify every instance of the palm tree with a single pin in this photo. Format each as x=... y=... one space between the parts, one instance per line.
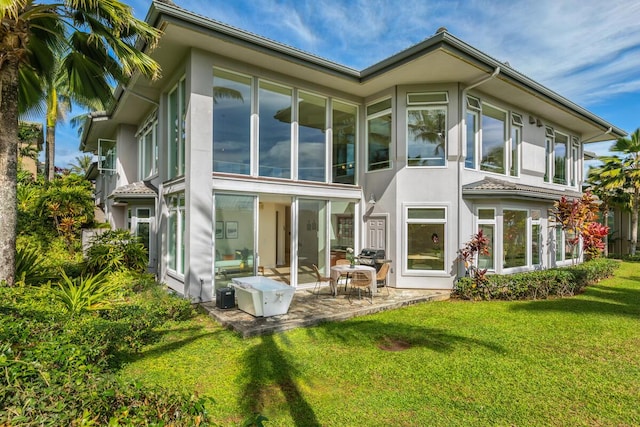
x=609 y=196
x=98 y=41
x=82 y=164
x=623 y=172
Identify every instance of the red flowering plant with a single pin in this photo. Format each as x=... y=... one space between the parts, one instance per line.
x=593 y=239
x=575 y=216
x=478 y=245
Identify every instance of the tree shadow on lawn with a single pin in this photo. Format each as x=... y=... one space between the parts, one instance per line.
x=611 y=300
x=270 y=368
x=158 y=350
x=266 y=364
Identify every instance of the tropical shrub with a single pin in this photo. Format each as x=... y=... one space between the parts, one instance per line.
x=116 y=250
x=57 y=372
x=85 y=293
x=558 y=282
x=30 y=267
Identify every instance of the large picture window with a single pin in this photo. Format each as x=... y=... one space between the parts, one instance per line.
x=426 y=136
x=312 y=126
x=345 y=137
x=494 y=126
x=426 y=238
x=379 y=135
x=274 y=144
x=514 y=238
x=231 y=122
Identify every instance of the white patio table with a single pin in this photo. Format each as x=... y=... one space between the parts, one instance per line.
x=339 y=270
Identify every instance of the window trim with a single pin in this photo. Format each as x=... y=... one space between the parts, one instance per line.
x=405 y=231
x=429 y=107
x=444 y=100
x=150 y=126
x=486 y=221
x=180 y=210
x=386 y=111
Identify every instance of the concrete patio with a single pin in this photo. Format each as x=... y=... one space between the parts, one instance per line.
x=308 y=310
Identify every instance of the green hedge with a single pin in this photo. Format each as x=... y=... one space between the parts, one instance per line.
x=58 y=370
x=560 y=282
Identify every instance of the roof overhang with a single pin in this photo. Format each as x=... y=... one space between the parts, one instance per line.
x=492 y=188
x=440 y=58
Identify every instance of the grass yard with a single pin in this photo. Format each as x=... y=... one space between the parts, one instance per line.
x=564 y=362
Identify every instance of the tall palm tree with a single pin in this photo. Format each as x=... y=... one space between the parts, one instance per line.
x=82 y=164
x=98 y=41
x=624 y=172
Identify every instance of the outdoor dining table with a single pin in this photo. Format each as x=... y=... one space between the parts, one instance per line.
x=339 y=270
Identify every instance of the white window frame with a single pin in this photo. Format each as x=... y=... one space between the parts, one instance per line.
x=429 y=107
x=405 y=249
x=150 y=127
x=527 y=232
x=107 y=156
x=516 y=125
x=180 y=88
x=180 y=212
x=484 y=221
x=473 y=108
x=375 y=116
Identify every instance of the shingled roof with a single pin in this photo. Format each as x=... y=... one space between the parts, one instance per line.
x=497 y=187
x=135 y=190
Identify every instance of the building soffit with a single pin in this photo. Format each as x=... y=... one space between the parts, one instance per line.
x=440 y=58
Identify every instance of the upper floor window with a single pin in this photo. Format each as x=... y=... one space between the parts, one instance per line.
x=492 y=139
x=274 y=133
x=575 y=162
x=312 y=144
x=231 y=122
x=379 y=118
x=148 y=148
x=494 y=136
x=426 y=129
x=344 y=118
x=560 y=154
x=516 y=142
x=176 y=114
x=107 y=155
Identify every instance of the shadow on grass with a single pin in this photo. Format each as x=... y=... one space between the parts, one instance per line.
x=266 y=364
x=597 y=299
x=158 y=350
x=270 y=368
x=372 y=332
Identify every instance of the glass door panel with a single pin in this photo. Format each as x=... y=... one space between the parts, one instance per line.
x=234 y=239
x=312 y=239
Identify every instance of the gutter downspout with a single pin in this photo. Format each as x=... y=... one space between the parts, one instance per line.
x=462 y=133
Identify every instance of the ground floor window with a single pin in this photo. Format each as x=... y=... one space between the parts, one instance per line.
x=176 y=227
x=426 y=238
x=514 y=238
x=487 y=223
x=536 y=238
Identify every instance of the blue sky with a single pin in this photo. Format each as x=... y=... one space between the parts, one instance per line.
x=585 y=50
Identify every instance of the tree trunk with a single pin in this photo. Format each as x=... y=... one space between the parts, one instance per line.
x=50 y=164
x=634 y=221
x=605 y=220
x=8 y=168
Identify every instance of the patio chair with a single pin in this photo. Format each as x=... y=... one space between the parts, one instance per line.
x=320 y=280
x=344 y=276
x=381 y=276
x=360 y=281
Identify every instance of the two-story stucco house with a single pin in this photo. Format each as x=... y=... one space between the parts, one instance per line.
x=248 y=154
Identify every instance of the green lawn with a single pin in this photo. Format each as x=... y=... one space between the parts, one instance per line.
x=568 y=362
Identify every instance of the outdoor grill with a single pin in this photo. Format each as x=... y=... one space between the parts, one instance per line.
x=372 y=257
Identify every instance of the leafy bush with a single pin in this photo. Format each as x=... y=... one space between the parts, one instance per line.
x=85 y=293
x=56 y=372
x=30 y=267
x=116 y=250
x=560 y=282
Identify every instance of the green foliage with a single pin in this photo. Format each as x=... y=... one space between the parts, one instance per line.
x=85 y=293
x=56 y=372
x=30 y=267
x=559 y=282
x=67 y=202
x=116 y=250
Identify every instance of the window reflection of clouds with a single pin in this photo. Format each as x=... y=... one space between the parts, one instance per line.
x=231 y=122
x=275 y=134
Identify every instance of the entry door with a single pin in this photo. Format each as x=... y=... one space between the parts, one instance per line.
x=377 y=233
